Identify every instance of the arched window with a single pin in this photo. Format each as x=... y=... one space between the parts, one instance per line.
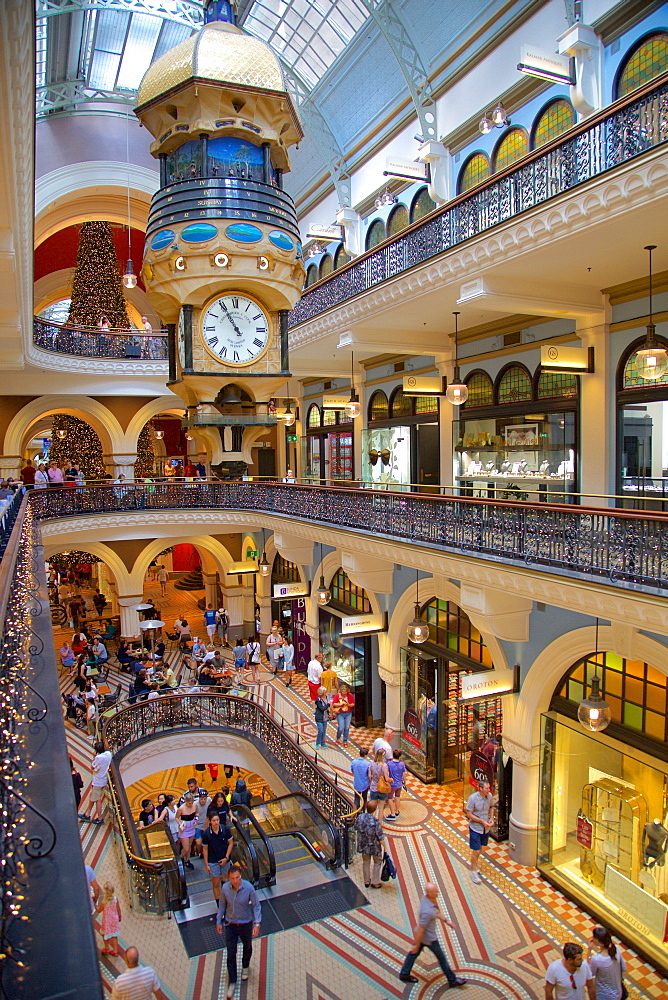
x=514 y=384
x=284 y=571
x=397 y=221
x=375 y=235
x=553 y=121
x=426 y=404
x=648 y=60
x=481 y=389
x=326 y=265
x=630 y=378
x=451 y=628
x=379 y=408
x=341 y=256
x=551 y=384
x=635 y=691
x=313 y=419
x=345 y=592
x=475 y=170
x=311 y=274
x=400 y=405
x=511 y=148
x=422 y=205
x=328 y=417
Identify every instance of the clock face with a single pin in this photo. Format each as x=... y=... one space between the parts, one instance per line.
x=181 y=340
x=235 y=329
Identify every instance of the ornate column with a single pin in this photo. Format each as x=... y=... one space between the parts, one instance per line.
x=117 y=465
x=523 y=837
x=597 y=446
x=129 y=618
x=211 y=589
x=10 y=466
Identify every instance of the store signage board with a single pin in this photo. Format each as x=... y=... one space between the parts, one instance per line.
x=584 y=832
x=324 y=232
x=399 y=167
x=636 y=905
x=480 y=769
x=412 y=728
x=545 y=65
x=363 y=624
x=561 y=358
x=334 y=402
x=242 y=567
x=489 y=684
x=297 y=589
x=422 y=385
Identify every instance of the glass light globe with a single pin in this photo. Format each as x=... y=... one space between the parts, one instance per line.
x=418 y=630
x=486 y=125
x=500 y=116
x=457 y=393
x=129 y=278
x=322 y=594
x=264 y=567
x=593 y=713
x=288 y=418
x=651 y=362
x=353 y=408
x=158 y=434
x=62 y=433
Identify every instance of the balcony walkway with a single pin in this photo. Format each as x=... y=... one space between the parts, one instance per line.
x=507 y=928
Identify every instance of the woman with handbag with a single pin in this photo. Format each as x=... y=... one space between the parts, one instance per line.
x=321 y=717
x=370 y=844
x=608 y=966
x=342 y=705
x=380 y=784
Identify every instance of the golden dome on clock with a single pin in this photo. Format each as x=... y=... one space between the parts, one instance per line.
x=220 y=53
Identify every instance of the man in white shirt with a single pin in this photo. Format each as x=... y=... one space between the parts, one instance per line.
x=273 y=645
x=101 y=762
x=138 y=983
x=383 y=743
x=313 y=675
x=570 y=978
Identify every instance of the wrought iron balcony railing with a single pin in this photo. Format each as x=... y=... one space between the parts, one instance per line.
x=82 y=342
x=622 y=131
x=609 y=545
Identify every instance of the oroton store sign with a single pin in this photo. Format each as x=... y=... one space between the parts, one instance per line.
x=490 y=683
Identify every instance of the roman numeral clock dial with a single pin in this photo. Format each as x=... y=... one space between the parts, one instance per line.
x=235 y=330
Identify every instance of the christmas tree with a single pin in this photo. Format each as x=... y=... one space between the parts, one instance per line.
x=145 y=464
x=97 y=289
x=81 y=446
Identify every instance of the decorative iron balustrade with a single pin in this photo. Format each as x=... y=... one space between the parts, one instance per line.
x=193 y=711
x=610 y=545
x=623 y=131
x=82 y=342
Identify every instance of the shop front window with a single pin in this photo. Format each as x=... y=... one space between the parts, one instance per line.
x=350 y=656
x=386 y=457
x=642 y=413
x=603 y=830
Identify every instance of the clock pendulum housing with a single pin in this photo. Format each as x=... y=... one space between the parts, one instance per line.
x=222 y=262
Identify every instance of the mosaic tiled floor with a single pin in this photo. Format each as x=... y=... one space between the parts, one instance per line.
x=507 y=928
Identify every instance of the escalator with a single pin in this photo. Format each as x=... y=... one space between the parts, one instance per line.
x=296 y=817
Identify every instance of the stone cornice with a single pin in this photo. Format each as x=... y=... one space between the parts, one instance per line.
x=127 y=367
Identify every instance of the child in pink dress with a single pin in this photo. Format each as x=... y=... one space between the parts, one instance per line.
x=110 y=909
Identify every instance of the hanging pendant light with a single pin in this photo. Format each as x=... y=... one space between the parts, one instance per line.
x=651 y=359
x=129 y=278
x=593 y=712
x=418 y=630
x=263 y=565
x=456 y=393
x=353 y=407
x=158 y=433
x=61 y=433
x=288 y=416
x=323 y=594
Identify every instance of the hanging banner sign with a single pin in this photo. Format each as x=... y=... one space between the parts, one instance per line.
x=363 y=624
x=584 y=832
x=545 y=65
x=297 y=589
x=405 y=168
x=324 y=232
x=480 y=768
x=412 y=728
x=489 y=683
x=334 y=402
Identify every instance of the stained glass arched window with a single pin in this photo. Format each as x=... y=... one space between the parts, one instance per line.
x=328 y=417
x=551 y=384
x=400 y=405
x=475 y=170
x=313 y=419
x=284 y=571
x=326 y=265
x=426 y=404
x=511 y=148
x=481 y=389
x=553 y=121
x=636 y=691
x=311 y=274
x=514 y=385
x=397 y=221
x=422 y=205
x=341 y=257
x=375 y=235
x=379 y=408
x=631 y=379
x=451 y=628
x=345 y=592
x=647 y=61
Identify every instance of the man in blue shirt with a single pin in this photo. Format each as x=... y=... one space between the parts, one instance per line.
x=360 y=769
x=210 y=622
x=240 y=909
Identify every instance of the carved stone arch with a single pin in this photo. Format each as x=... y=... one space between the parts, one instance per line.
x=109 y=557
x=215 y=551
x=161 y=404
x=102 y=420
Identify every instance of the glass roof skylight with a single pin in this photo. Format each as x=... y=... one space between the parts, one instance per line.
x=307 y=34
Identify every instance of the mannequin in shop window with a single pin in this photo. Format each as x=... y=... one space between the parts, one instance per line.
x=655 y=844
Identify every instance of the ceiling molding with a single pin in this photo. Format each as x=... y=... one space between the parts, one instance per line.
x=638 y=288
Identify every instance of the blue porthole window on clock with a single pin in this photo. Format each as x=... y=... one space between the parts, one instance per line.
x=199 y=232
x=162 y=239
x=243 y=232
x=280 y=240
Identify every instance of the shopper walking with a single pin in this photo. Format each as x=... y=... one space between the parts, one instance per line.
x=240 y=911
x=370 y=845
x=379 y=779
x=286 y=660
x=321 y=718
x=480 y=813
x=253 y=657
x=313 y=675
x=210 y=622
x=570 y=978
x=360 y=770
x=138 y=983
x=110 y=909
x=426 y=937
x=342 y=705
x=607 y=965
x=217 y=844
x=384 y=743
x=272 y=647
x=100 y=766
x=163 y=577
x=397 y=770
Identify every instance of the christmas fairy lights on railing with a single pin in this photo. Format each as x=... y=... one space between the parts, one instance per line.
x=63 y=338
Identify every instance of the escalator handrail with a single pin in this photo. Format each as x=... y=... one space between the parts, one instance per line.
x=250 y=847
x=331 y=827
x=243 y=810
